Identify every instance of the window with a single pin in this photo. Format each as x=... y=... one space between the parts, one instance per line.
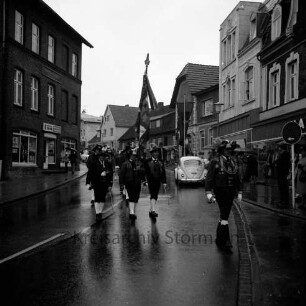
x=233 y=45
x=64 y=106
x=34 y=94
x=274 y=88
x=292 y=77
x=202 y=140
x=249 y=83
x=24 y=147
x=51 y=92
x=18 y=27
x=35 y=38
x=228 y=93
x=111 y=132
x=276 y=22
x=65 y=58
x=207 y=108
x=233 y=92
x=158 y=123
x=253 y=28
x=18 y=87
x=74 y=65
x=74 y=110
x=228 y=49
x=51 y=49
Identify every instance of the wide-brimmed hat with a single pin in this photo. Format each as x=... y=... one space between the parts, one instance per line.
x=97 y=148
x=154 y=149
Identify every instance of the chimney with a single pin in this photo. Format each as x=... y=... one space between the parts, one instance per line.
x=126 y=105
x=160 y=104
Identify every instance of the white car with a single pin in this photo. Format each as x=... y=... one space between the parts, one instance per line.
x=190 y=169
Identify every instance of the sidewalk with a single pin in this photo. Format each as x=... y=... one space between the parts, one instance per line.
x=267 y=196
x=22 y=188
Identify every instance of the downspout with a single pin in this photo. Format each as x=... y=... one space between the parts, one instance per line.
x=3 y=28
x=4 y=137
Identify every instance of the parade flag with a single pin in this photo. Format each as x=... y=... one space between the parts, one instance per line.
x=143 y=120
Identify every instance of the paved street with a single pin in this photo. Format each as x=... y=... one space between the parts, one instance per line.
x=68 y=260
x=172 y=261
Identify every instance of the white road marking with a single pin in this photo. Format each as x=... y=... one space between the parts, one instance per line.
x=31 y=248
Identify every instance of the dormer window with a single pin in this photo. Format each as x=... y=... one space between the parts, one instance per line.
x=253 y=28
x=276 y=22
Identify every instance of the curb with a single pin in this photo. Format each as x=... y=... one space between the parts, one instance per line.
x=39 y=192
x=275 y=210
x=249 y=292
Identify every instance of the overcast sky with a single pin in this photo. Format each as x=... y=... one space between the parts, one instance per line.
x=173 y=32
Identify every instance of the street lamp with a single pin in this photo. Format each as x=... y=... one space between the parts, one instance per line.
x=218 y=106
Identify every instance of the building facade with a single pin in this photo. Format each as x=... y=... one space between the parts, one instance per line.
x=41 y=57
x=283 y=71
x=239 y=82
x=117 y=120
x=90 y=128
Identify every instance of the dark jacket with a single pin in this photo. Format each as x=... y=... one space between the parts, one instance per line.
x=283 y=164
x=92 y=159
x=132 y=172
x=155 y=171
x=94 y=174
x=223 y=176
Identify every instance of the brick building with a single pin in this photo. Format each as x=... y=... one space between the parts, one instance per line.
x=40 y=89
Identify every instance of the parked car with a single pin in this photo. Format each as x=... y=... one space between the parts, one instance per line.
x=84 y=156
x=190 y=169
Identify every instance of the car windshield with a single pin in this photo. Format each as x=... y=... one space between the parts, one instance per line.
x=192 y=163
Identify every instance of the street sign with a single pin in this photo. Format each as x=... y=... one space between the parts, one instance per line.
x=291 y=132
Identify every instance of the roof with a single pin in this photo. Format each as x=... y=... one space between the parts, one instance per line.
x=89 y=118
x=128 y=135
x=61 y=20
x=124 y=116
x=199 y=77
x=161 y=110
x=95 y=139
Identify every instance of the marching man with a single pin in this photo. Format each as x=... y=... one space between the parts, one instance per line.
x=223 y=181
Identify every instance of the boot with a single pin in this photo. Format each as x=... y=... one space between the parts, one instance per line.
x=223 y=237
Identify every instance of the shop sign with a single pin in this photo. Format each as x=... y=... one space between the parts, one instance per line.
x=51 y=128
x=291 y=132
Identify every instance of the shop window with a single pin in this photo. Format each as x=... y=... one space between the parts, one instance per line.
x=24 y=147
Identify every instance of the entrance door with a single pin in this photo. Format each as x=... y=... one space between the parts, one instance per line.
x=50 y=152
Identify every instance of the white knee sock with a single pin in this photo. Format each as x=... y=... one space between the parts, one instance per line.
x=132 y=207
x=97 y=207
x=224 y=222
x=101 y=207
x=152 y=204
x=92 y=195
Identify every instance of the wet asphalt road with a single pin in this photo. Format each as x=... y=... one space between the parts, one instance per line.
x=281 y=249
x=173 y=261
